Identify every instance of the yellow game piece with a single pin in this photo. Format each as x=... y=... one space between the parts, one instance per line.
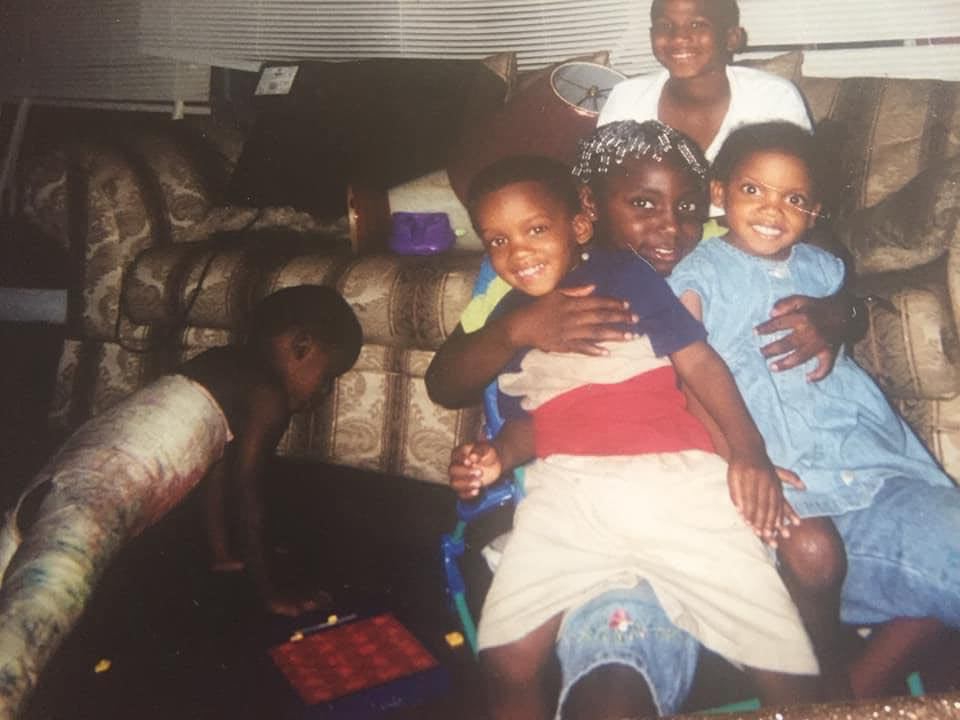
x=454 y=639
x=102 y=666
x=332 y=620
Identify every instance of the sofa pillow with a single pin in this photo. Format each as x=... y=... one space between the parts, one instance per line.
x=532 y=121
x=379 y=121
x=789 y=65
x=911 y=226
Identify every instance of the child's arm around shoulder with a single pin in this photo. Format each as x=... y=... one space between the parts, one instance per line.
x=568 y=320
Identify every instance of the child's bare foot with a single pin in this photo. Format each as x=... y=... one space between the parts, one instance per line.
x=227 y=565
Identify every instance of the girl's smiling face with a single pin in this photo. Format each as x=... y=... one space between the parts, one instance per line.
x=690 y=41
x=769 y=202
x=531 y=236
x=655 y=208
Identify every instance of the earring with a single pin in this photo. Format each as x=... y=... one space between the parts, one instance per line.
x=584 y=256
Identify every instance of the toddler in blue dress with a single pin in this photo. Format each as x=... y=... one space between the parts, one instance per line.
x=896 y=511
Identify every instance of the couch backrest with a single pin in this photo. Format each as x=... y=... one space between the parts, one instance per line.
x=379 y=416
x=886 y=130
x=108 y=204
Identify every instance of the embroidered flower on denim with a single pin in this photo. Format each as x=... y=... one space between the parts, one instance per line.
x=620 y=620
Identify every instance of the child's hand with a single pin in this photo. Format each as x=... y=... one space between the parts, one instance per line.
x=817 y=329
x=473 y=466
x=790 y=517
x=756 y=492
x=572 y=320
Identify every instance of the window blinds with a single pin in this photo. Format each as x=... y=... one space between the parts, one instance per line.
x=150 y=52
x=244 y=33
x=88 y=51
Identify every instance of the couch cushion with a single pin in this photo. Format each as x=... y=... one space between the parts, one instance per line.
x=912 y=226
x=789 y=65
x=895 y=129
x=93 y=375
x=911 y=346
x=212 y=284
x=401 y=301
x=379 y=417
x=937 y=422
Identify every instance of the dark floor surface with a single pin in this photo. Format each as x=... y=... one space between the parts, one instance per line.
x=187 y=643
x=184 y=643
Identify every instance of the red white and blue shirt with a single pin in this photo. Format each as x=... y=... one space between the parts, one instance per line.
x=624 y=403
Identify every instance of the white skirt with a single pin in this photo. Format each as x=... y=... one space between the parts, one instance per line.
x=591 y=524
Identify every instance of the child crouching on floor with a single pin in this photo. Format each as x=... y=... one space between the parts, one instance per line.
x=627 y=486
x=125 y=469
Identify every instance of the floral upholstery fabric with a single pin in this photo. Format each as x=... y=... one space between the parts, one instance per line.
x=911 y=345
x=893 y=129
x=899 y=216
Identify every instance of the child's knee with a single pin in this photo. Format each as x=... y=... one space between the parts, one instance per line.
x=814 y=556
x=507 y=666
x=523 y=661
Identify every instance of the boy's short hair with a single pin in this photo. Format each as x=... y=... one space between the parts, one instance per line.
x=610 y=144
x=725 y=12
x=778 y=136
x=318 y=310
x=552 y=174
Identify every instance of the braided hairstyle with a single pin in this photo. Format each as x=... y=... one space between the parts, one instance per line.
x=611 y=144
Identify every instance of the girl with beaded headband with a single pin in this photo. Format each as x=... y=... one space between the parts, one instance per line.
x=614 y=142
x=638 y=206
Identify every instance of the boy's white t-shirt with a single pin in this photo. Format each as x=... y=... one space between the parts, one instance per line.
x=755 y=96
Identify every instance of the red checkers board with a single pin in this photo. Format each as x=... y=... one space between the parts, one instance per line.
x=350 y=657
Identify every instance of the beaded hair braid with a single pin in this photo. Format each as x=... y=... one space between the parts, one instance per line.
x=611 y=144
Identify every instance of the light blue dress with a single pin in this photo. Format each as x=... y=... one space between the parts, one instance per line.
x=840 y=434
x=896 y=511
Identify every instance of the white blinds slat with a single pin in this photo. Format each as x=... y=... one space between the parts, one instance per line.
x=846 y=21
x=540 y=31
x=244 y=33
x=930 y=61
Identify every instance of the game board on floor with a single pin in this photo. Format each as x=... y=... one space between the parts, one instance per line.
x=349 y=657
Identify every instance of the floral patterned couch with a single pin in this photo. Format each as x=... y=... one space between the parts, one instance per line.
x=162 y=274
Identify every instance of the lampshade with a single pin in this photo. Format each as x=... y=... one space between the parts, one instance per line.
x=546 y=117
